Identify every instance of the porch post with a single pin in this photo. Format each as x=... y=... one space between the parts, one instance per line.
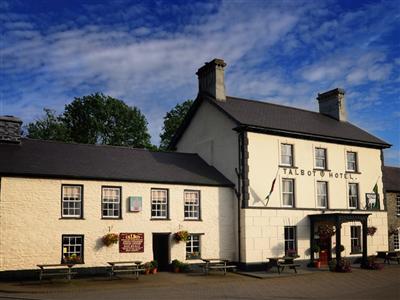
x=311 y=239
x=364 y=243
x=338 y=241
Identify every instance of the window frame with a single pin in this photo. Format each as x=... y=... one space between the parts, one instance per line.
x=355 y=238
x=292 y=240
x=82 y=236
x=326 y=194
x=120 y=202
x=191 y=246
x=293 y=192
x=356 y=184
x=291 y=164
x=198 y=218
x=166 y=217
x=396 y=240
x=325 y=158
x=81 y=201
x=355 y=162
x=398 y=205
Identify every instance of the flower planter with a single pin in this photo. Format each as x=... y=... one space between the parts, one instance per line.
x=317 y=264
x=154 y=271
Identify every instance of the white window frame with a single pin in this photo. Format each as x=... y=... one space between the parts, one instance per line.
x=70 y=246
x=71 y=202
x=191 y=207
x=317 y=158
x=290 y=231
x=351 y=196
x=355 y=162
x=159 y=205
x=398 y=205
x=396 y=240
x=111 y=204
x=292 y=193
x=322 y=196
x=355 y=240
x=291 y=156
x=192 y=244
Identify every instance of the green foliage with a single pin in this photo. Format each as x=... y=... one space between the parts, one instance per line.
x=172 y=120
x=95 y=119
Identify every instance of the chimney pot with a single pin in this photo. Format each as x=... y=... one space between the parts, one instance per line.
x=332 y=103
x=211 y=79
x=10 y=129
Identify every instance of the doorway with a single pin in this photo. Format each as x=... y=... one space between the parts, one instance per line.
x=161 y=250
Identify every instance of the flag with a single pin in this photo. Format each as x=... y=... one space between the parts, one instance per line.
x=272 y=188
x=375 y=190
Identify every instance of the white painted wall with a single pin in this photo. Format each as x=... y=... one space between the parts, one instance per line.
x=31 y=228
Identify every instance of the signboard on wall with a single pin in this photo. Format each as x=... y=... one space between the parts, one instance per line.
x=135 y=203
x=131 y=242
x=372 y=201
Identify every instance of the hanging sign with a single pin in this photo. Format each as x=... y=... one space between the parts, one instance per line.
x=131 y=242
x=372 y=201
x=135 y=203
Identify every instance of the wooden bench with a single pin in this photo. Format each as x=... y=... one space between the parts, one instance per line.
x=388 y=256
x=217 y=264
x=55 y=270
x=281 y=266
x=132 y=267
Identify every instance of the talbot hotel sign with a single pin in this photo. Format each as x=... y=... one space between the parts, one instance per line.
x=131 y=242
x=321 y=173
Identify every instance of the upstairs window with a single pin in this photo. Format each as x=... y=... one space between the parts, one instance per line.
x=159 y=204
x=322 y=194
x=111 y=202
x=71 y=201
x=353 y=195
x=352 y=161
x=192 y=205
x=320 y=158
x=288 y=192
x=287 y=155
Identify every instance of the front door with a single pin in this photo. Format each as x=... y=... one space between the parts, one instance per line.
x=161 y=250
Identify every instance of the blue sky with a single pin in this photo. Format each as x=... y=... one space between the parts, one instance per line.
x=147 y=52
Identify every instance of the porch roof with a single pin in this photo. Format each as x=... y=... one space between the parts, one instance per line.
x=339 y=217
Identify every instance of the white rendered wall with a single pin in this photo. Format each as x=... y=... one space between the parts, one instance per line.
x=31 y=228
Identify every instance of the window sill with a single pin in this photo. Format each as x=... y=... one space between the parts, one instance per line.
x=160 y=219
x=287 y=206
x=108 y=218
x=71 y=218
x=352 y=172
x=358 y=252
x=320 y=169
x=197 y=220
x=193 y=258
x=288 y=167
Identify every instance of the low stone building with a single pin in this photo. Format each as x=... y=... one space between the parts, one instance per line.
x=391 y=181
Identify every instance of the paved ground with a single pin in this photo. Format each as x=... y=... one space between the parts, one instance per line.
x=360 y=284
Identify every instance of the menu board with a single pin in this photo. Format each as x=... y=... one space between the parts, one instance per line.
x=131 y=242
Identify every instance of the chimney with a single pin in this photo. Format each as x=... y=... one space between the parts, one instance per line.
x=10 y=129
x=211 y=79
x=333 y=104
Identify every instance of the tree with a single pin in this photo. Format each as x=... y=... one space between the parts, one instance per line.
x=172 y=120
x=100 y=119
x=50 y=127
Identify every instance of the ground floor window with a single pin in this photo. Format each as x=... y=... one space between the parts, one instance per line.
x=396 y=240
x=72 y=248
x=355 y=238
x=193 y=247
x=290 y=240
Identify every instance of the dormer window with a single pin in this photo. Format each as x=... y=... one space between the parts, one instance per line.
x=287 y=155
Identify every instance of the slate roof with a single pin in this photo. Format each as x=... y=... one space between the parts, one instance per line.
x=285 y=120
x=49 y=159
x=391 y=179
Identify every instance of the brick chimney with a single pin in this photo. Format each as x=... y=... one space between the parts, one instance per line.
x=211 y=79
x=10 y=129
x=332 y=103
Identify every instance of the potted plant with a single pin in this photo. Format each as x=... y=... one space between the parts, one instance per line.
x=147 y=268
x=371 y=264
x=181 y=236
x=176 y=265
x=154 y=267
x=343 y=266
x=110 y=239
x=72 y=259
x=316 y=249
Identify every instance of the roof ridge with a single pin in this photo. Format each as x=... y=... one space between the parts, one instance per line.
x=106 y=146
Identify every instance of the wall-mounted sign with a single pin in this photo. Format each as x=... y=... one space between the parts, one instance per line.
x=320 y=173
x=372 y=201
x=135 y=203
x=131 y=242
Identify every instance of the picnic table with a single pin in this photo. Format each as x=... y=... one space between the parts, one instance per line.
x=217 y=264
x=133 y=267
x=281 y=262
x=388 y=256
x=53 y=270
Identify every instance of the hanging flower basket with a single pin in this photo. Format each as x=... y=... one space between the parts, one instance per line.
x=181 y=236
x=371 y=230
x=110 y=239
x=326 y=231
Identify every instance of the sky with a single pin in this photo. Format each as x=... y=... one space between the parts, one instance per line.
x=146 y=53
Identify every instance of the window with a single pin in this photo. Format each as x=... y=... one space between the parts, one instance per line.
x=288 y=192
x=353 y=195
x=396 y=240
x=71 y=201
x=192 y=205
x=287 y=155
x=322 y=194
x=193 y=247
x=111 y=202
x=72 y=248
x=159 y=204
x=290 y=240
x=398 y=204
x=320 y=158
x=355 y=239
x=352 y=161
